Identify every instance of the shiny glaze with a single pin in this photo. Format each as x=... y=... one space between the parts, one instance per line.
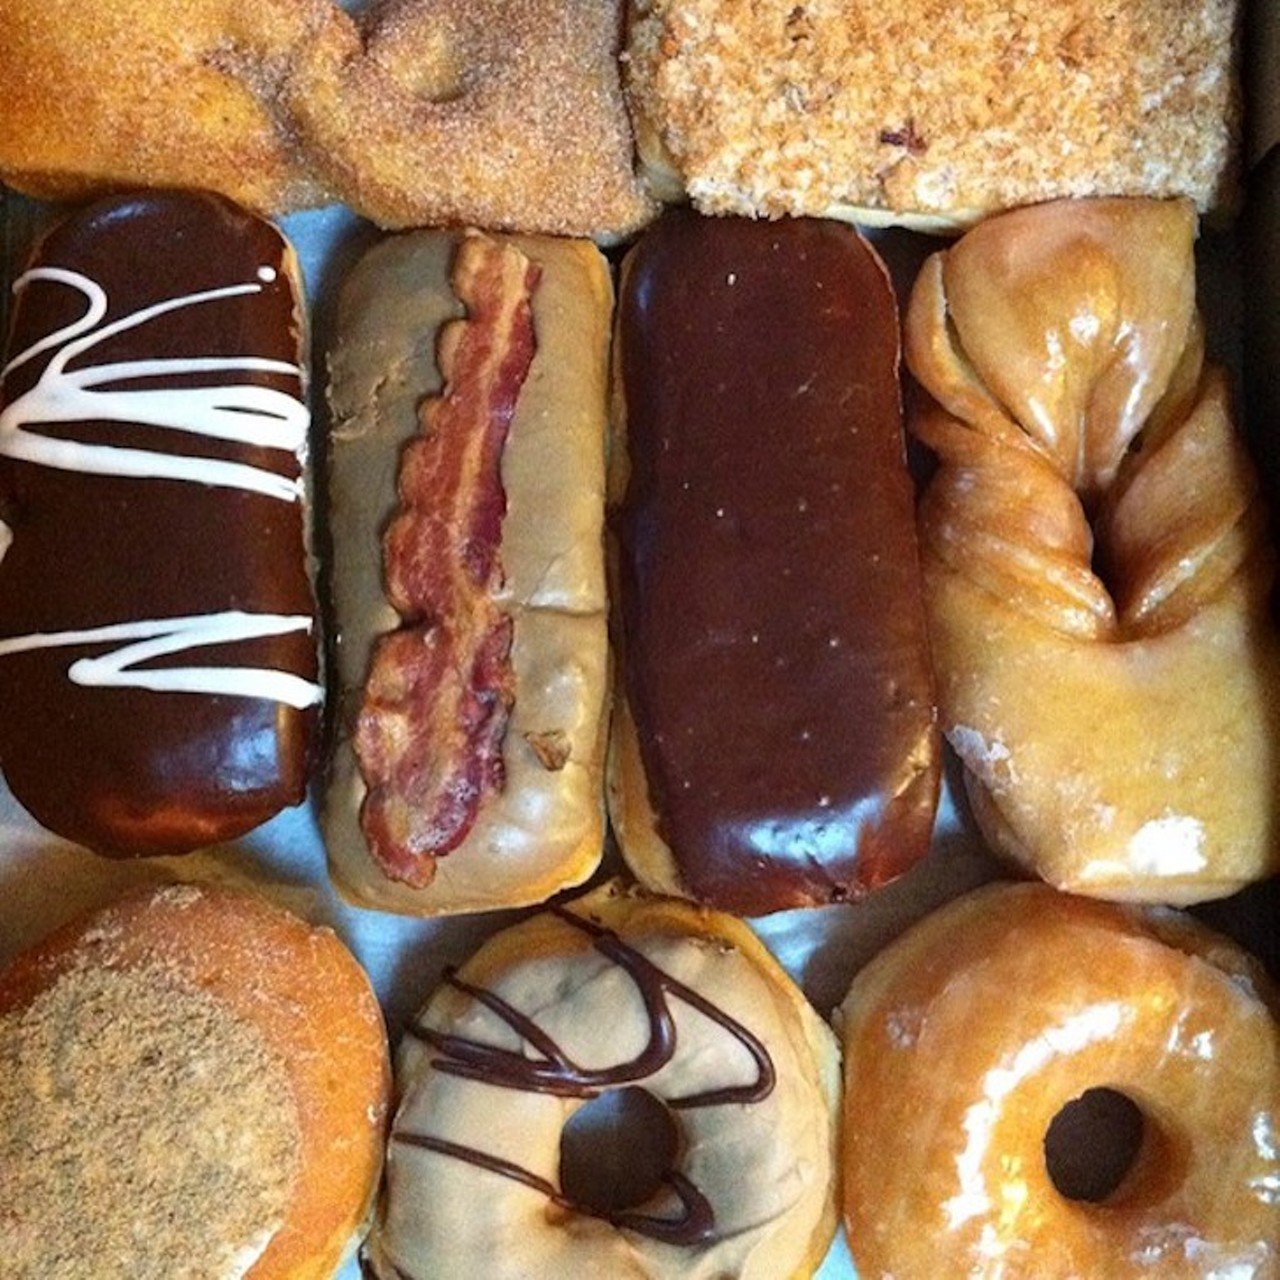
x=554 y=1073
x=775 y=658
x=122 y=537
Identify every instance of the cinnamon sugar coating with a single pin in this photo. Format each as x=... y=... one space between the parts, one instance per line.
x=111 y=1060
x=934 y=108
x=499 y=113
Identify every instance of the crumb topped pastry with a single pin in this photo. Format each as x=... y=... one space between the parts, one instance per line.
x=193 y=1086
x=932 y=112
x=110 y=1060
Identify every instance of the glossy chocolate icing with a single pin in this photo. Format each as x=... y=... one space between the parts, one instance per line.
x=124 y=770
x=553 y=1072
x=775 y=655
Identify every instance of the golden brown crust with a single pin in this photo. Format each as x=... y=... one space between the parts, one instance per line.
x=129 y=93
x=545 y=831
x=1095 y=563
x=964 y=1039
x=501 y=114
x=301 y=992
x=431 y=112
x=932 y=110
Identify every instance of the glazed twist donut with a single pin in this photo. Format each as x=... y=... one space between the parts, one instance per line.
x=499 y=113
x=615 y=991
x=1095 y=559
x=966 y=1044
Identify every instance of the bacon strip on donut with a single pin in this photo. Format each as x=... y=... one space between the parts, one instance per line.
x=440 y=687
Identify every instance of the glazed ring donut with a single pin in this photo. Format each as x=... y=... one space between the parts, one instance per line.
x=1096 y=568
x=965 y=1040
x=615 y=991
x=192 y=1083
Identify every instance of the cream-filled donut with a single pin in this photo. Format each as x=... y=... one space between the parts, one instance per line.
x=615 y=991
x=982 y=1036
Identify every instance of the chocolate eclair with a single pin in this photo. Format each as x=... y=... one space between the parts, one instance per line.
x=158 y=666
x=775 y=744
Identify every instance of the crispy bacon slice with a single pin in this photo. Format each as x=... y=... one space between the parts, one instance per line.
x=440 y=688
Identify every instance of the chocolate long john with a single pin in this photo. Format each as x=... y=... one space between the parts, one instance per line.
x=779 y=704
x=158 y=670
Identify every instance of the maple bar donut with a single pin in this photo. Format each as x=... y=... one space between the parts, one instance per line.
x=774 y=742
x=158 y=666
x=1039 y=1085
x=615 y=991
x=192 y=1082
x=1096 y=562
x=467 y=477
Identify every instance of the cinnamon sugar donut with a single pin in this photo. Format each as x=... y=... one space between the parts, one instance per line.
x=127 y=93
x=1096 y=565
x=506 y=114
x=966 y=1040
x=616 y=990
x=192 y=1083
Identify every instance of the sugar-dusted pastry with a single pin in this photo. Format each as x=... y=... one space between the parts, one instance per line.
x=1096 y=565
x=928 y=114
x=774 y=743
x=192 y=1083
x=1037 y=1086
x=467 y=483
x=500 y=113
x=158 y=669
x=612 y=994
x=130 y=93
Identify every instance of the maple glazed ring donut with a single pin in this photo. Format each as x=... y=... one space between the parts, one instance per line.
x=618 y=990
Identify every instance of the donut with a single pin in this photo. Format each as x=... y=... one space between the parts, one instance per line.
x=468 y=387
x=1096 y=563
x=192 y=1082
x=131 y=93
x=774 y=743
x=504 y=114
x=978 y=1047
x=614 y=991
x=158 y=665
x=899 y=112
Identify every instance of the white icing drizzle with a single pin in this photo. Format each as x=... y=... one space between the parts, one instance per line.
x=244 y=413
x=160 y=637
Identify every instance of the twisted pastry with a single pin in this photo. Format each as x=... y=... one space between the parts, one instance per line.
x=1096 y=566
x=503 y=113
x=126 y=93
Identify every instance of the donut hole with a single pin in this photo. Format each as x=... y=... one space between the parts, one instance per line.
x=1092 y=1145
x=616 y=1150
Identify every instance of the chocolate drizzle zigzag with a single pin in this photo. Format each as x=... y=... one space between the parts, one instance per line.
x=554 y=1072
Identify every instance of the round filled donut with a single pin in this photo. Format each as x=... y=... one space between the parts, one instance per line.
x=1045 y=1086
x=615 y=994
x=192 y=1083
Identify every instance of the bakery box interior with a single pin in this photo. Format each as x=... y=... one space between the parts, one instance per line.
x=47 y=881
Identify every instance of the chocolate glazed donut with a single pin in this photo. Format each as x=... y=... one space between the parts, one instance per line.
x=779 y=707
x=158 y=667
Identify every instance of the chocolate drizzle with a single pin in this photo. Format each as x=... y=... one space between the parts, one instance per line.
x=554 y=1072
